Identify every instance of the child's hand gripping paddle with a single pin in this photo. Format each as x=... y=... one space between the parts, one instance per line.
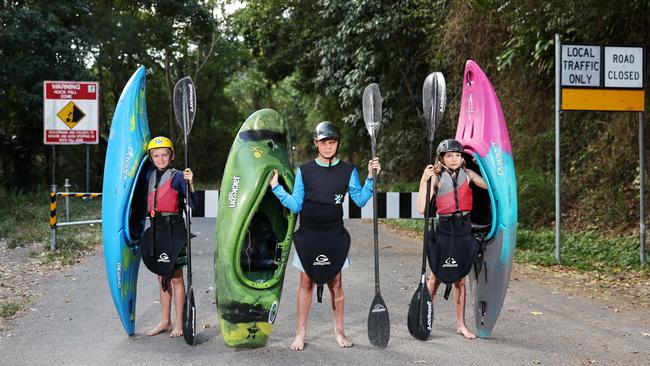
x=185 y=109
x=420 y=316
x=378 y=322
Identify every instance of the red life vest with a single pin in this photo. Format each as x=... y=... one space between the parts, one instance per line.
x=165 y=195
x=453 y=195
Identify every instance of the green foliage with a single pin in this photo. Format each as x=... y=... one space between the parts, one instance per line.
x=25 y=218
x=534 y=188
x=30 y=224
x=39 y=41
x=9 y=309
x=587 y=250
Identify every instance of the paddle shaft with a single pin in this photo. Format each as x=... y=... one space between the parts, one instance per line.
x=187 y=191
x=374 y=216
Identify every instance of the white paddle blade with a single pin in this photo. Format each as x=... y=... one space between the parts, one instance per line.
x=185 y=103
x=372 y=109
x=434 y=101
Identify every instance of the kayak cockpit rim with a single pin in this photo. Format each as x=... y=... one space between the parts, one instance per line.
x=259 y=260
x=483 y=220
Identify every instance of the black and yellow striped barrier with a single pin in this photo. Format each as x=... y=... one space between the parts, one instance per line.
x=52 y=209
x=75 y=194
x=53 y=222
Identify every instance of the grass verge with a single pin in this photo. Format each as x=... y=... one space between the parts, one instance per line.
x=26 y=222
x=589 y=251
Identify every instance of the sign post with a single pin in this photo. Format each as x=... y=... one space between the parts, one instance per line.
x=599 y=78
x=70 y=116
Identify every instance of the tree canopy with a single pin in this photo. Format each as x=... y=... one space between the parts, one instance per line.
x=311 y=60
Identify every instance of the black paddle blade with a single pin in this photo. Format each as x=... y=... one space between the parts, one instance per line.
x=189 y=318
x=434 y=100
x=420 y=316
x=185 y=103
x=378 y=323
x=372 y=110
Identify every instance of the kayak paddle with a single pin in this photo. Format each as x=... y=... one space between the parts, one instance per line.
x=185 y=109
x=378 y=322
x=420 y=316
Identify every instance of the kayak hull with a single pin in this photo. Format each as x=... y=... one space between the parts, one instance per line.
x=254 y=232
x=483 y=131
x=123 y=184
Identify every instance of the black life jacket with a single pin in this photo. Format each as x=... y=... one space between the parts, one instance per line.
x=321 y=242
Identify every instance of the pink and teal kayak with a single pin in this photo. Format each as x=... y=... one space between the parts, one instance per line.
x=483 y=132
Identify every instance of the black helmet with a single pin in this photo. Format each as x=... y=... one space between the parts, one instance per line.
x=449 y=145
x=326 y=130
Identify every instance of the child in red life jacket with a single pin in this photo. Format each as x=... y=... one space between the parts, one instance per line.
x=164 y=242
x=452 y=249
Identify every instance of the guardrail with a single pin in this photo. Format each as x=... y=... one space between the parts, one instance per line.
x=53 y=218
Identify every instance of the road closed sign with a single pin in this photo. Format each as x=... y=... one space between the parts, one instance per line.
x=623 y=67
x=70 y=112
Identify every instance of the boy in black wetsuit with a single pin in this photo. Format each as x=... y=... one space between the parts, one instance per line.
x=321 y=242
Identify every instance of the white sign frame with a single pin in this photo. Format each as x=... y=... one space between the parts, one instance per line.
x=56 y=96
x=623 y=67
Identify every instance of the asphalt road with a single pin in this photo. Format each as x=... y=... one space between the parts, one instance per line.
x=74 y=322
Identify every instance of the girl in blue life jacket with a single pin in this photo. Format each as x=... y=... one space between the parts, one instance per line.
x=164 y=242
x=452 y=249
x=321 y=242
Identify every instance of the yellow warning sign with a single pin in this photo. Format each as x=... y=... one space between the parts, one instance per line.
x=71 y=114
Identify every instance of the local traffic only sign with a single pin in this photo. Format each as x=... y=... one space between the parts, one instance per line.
x=70 y=112
x=606 y=78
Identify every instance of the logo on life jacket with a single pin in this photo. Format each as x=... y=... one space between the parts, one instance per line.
x=450 y=263
x=338 y=199
x=322 y=260
x=232 y=196
x=163 y=258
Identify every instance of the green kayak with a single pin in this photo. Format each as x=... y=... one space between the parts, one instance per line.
x=253 y=232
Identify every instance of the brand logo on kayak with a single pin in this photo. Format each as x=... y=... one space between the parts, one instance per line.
x=232 y=196
x=378 y=308
x=497 y=157
x=338 y=199
x=273 y=312
x=163 y=258
x=119 y=275
x=257 y=152
x=322 y=260
x=470 y=108
x=126 y=163
x=450 y=263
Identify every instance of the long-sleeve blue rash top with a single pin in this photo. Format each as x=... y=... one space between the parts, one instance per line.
x=360 y=195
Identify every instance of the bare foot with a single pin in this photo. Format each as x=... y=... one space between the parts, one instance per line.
x=343 y=341
x=160 y=328
x=298 y=343
x=176 y=332
x=466 y=333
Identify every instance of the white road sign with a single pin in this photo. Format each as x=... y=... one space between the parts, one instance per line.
x=581 y=65
x=623 y=67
